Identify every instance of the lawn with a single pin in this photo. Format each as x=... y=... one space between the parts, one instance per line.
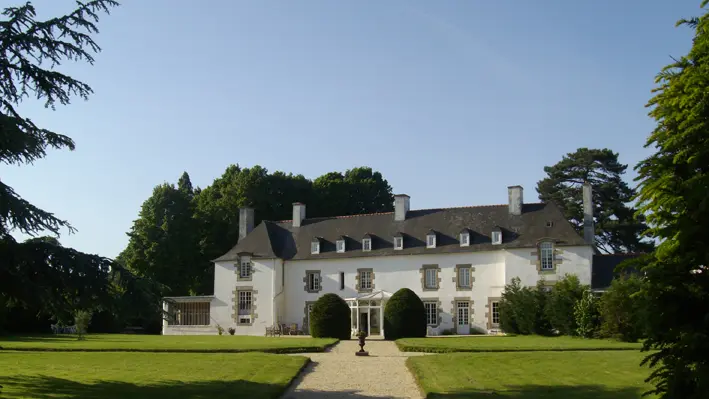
x=73 y=375
x=509 y=344
x=166 y=343
x=530 y=375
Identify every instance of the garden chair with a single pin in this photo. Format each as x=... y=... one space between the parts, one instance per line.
x=294 y=329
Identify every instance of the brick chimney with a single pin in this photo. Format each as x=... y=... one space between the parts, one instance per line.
x=589 y=229
x=515 y=199
x=298 y=213
x=246 y=221
x=401 y=206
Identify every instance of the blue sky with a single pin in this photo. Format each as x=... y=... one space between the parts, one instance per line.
x=451 y=100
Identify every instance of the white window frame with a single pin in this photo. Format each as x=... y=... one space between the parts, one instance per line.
x=431 y=278
x=313 y=279
x=365 y=283
x=495 y=313
x=496 y=237
x=431 y=313
x=546 y=255
x=398 y=243
x=315 y=247
x=340 y=246
x=246 y=303
x=366 y=244
x=245 y=267
x=461 y=283
x=464 y=239
x=430 y=241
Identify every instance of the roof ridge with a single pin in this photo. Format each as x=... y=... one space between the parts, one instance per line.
x=411 y=210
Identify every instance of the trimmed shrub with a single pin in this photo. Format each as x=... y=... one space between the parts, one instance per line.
x=330 y=318
x=561 y=302
x=622 y=309
x=404 y=316
x=522 y=309
x=587 y=315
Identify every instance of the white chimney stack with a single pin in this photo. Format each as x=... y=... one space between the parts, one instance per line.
x=246 y=221
x=515 y=199
x=589 y=229
x=401 y=206
x=298 y=213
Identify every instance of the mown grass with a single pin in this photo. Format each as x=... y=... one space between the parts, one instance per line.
x=531 y=375
x=113 y=375
x=165 y=343
x=519 y=343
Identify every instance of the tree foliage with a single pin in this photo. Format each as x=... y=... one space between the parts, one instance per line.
x=623 y=310
x=404 y=316
x=618 y=227
x=330 y=317
x=587 y=315
x=163 y=242
x=522 y=309
x=674 y=189
x=30 y=52
x=561 y=304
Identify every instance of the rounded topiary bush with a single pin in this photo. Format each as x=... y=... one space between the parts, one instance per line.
x=330 y=318
x=404 y=316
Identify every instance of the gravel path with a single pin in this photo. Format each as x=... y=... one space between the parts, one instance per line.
x=340 y=374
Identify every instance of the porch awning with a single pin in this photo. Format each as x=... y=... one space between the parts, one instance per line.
x=183 y=299
x=375 y=295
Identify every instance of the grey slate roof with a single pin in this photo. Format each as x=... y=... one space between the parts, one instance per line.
x=282 y=240
x=604 y=269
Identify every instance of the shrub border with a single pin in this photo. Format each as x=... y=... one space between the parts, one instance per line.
x=424 y=349
x=298 y=349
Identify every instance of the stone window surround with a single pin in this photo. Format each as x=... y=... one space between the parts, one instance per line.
x=488 y=312
x=556 y=261
x=439 y=310
x=471 y=310
x=472 y=279
x=306 y=319
x=359 y=273
x=237 y=269
x=422 y=270
x=307 y=285
x=235 y=307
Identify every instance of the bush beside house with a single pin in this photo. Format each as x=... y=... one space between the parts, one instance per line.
x=404 y=316
x=330 y=318
x=622 y=309
x=561 y=304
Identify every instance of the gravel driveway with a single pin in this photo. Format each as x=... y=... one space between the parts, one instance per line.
x=340 y=374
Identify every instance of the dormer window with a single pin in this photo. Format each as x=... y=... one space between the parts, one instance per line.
x=431 y=239
x=465 y=238
x=341 y=244
x=367 y=243
x=315 y=246
x=399 y=242
x=496 y=236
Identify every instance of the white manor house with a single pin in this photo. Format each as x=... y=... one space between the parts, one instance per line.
x=457 y=260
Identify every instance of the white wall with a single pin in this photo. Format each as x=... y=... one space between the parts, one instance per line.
x=575 y=260
x=225 y=282
x=394 y=272
x=286 y=304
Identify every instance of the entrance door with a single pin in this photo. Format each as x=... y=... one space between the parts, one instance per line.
x=364 y=322
x=463 y=318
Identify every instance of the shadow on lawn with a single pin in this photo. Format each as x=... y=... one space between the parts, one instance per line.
x=548 y=392
x=43 y=387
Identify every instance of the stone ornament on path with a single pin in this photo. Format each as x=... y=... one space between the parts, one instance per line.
x=361 y=335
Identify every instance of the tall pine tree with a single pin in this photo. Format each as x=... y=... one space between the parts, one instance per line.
x=618 y=227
